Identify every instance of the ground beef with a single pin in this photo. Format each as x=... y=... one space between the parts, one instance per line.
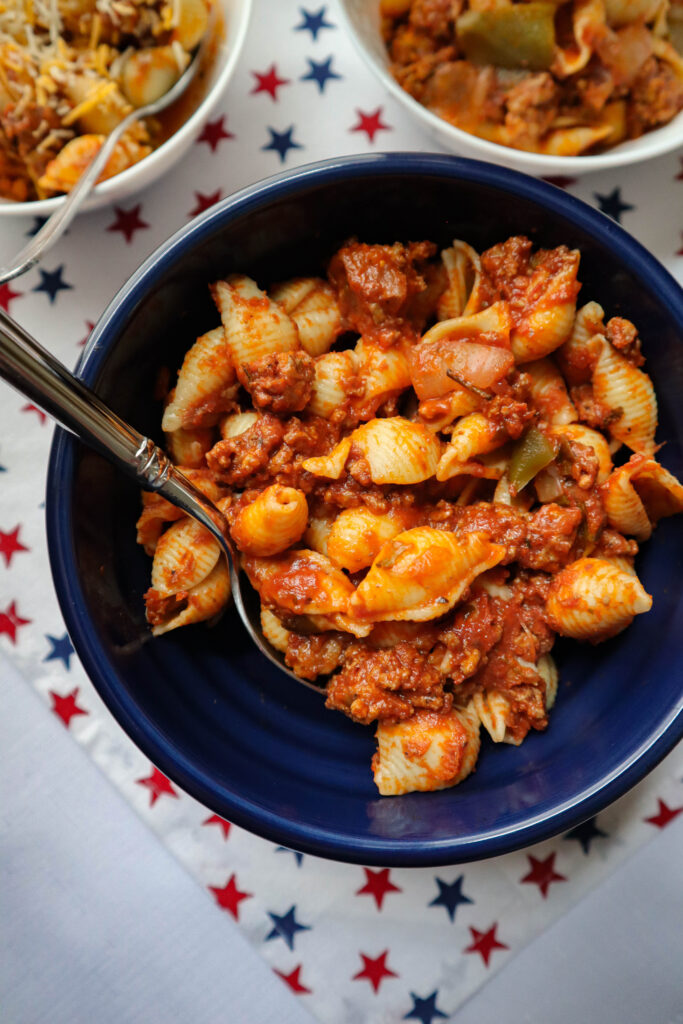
x=591 y=411
x=531 y=106
x=656 y=97
x=385 y=684
x=375 y=285
x=237 y=459
x=624 y=336
x=474 y=628
x=550 y=537
x=613 y=544
x=316 y=655
x=280 y=382
x=435 y=16
x=162 y=607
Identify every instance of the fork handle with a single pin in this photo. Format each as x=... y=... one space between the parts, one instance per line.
x=40 y=377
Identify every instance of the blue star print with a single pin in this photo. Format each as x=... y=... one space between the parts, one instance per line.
x=450 y=896
x=613 y=204
x=298 y=857
x=282 y=142
x=424 y=1010
x=585 y=833
x=313 y=22
x=51 y=282
x=321 y=73
x=37 y=225
x=61 y=649
x=286 y=927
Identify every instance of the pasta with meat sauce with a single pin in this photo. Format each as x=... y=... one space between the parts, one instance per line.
x=452 y=466
x=561 y=78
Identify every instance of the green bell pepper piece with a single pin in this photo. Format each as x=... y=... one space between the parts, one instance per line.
x=520 y=36
x=532 y=453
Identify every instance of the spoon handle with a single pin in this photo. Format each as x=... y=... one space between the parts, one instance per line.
x=33 y=371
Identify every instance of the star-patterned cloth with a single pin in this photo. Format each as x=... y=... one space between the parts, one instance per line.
x=356 y=944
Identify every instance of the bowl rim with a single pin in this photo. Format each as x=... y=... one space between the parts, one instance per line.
x=482 y=149
x=59 y=521
x=109 y=191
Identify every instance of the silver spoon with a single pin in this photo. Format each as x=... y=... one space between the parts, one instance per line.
x=57 y=224
x=36 y=374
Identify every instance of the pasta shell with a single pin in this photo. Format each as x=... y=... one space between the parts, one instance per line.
x=623 y=12
x=388 y=634
x=463 y=269
x=330 y=466
x=188 y=447
x=312 y=305
x=255 y=326
x=293 y=292
x=429 y=751
x=317 y=533
x=573 y=141
x=592 y=439
x=272 y=522
x=492 y=709
x=591 y=599
x=204 y=601
x=473 y=435
x=549 y=393
x=237 y=423
x=491 y=326
x=206 y=372
x=357 y=535
x=398 y=451
x=421 y=574
x=639 y=494
x=439 y=413
x=547 y=669
x=549 y=319
x=382 y=373
x=185 y=555
x=273 y=630
x=622 y=387
x=156 y=511
x=335 y=378
x=303 y=582
x=579 y=354
x=588 y=19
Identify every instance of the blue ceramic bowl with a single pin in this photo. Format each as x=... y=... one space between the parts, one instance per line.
x=201 y=703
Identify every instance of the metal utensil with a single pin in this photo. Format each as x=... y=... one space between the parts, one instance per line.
x=57 y=224
x=47 y=383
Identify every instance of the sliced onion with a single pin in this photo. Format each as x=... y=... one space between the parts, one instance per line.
x=473 y=363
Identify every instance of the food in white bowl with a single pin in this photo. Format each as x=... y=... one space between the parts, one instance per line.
x=72 y=73
x=547 y=87
x=432 y=464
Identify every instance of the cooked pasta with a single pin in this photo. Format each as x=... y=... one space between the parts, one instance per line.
x=562 y=78
x=422 y=493
x=70 y=72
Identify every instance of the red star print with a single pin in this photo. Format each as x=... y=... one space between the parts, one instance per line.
x=214 y=132
x=221 y=822
x=679 y=176
x=370 y=123
x=6 y=296
x=560 y=180
x=89 y=324
x=34 y=408
x=292 y=979
x=10 y=621
x=268 y=82
x=377 y=884
x=680 y=251
x=375 y=970
x=10 y=544
x=158 y=785
x=204 y=202
x=664 y=815
x=66 y=707
x=542 y=873
x=230 y=897
x=484 y=943
x=128 y=222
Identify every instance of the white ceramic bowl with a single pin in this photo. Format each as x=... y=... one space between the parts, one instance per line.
x=235 y=16
x=363 y=24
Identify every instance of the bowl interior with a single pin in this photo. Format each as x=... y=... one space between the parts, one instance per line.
x=363 y=22
x=210 y=711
